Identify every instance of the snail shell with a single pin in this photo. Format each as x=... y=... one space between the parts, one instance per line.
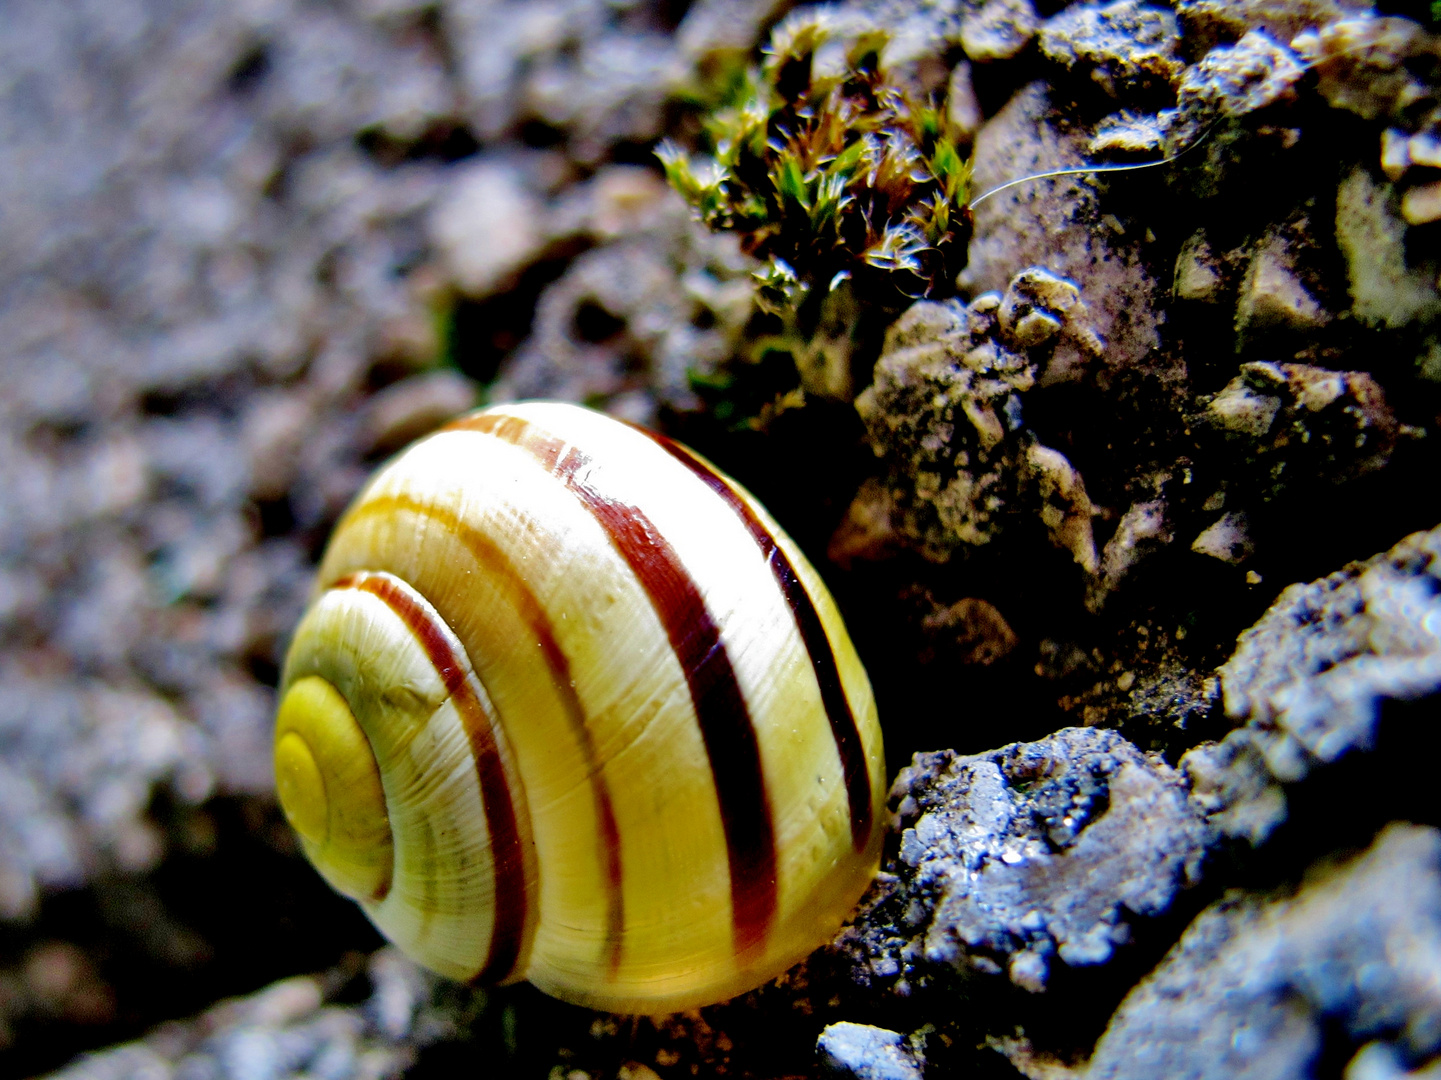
x=568 y=706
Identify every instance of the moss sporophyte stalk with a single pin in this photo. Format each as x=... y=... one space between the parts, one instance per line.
x=849 y=186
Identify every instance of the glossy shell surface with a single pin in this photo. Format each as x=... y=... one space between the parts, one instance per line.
x=568 y=706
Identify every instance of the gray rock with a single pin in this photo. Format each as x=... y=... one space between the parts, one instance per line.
x=945 y=412
x=1050 y=224
x=1237 y=79
x=868 y=1053
x=1309 y=680
x=1124 y=45
x=487 y=230
x=1292 y=426
x=1261 y=989
x=999 y=29
x=1032 y=852
x=287 y=1030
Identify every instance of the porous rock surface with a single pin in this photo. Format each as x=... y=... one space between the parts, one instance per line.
x=1310 y=683
x=1012 y=860
x=1266 y=988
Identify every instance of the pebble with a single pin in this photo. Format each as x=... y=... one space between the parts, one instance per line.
x=867 y=1053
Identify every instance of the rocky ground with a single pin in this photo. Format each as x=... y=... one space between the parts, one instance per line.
x=1135 y=520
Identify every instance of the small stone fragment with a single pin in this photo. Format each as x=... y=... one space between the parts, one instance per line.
x=1422 y=204
x=272 y=431
x=1142 y=532
x=944 y=411
x=1227 y=538
x=1233 y=80
x=970 y=631
x=1362 y=62
x=1295 y=424
x=962 y=106
x=1128 y=133
x=1384 y=1061
x=1065 y=508
x=1423 y=149
x=1395 y=154
x=863 y=1052
x=1198 y=272
x=1385 y=290
x=1273 y=295
x=868 y=530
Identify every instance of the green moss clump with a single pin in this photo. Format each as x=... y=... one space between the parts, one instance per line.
x=831 y=173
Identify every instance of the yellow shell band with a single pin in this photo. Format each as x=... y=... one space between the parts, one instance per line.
x=626 y=748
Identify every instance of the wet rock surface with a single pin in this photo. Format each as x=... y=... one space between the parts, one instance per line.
x=252 y=248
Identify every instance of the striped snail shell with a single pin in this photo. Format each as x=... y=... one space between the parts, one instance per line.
x=568 y=706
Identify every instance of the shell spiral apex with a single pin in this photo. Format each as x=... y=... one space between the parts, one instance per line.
x=568 y=706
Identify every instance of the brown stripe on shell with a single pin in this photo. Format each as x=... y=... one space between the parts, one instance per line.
x=720 y=706
x=844 y=730
x=500 y=569
x=507 y=854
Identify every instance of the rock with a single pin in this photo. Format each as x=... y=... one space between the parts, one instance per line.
x=868 y=1053
x=1385 y=289
x=272 y=431
x=1309 y=681
x=1199 y=274
x=963 y=109
x=488 y=228
x=1259 y=988
x=945 y=412
x=416 y=406
x=655 y=308
x=1065 y=507
x=998 y=29
x=868 y=531
x=1295 y=425
x=1362 y=62
x=1273 y=294
x=1031 y=853
x=1051 y=224
x=1421 y=204
x=970 y=631
x=1395 y=154
x=1228 y=538
x=1232 y=80
x=1123 y=46
x=1225 y=20
x=1382 y=1061
x=1142 y=532
x=287 y=1029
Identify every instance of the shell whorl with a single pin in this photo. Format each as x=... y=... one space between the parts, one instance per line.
x=626 y=748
